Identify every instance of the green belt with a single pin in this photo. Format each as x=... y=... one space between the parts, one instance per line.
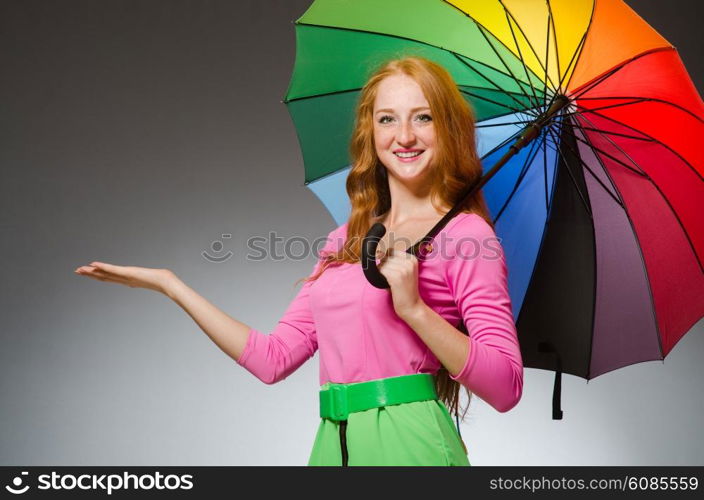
x=337 y=401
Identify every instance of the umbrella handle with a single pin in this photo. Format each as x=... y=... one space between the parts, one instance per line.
x=369 y=244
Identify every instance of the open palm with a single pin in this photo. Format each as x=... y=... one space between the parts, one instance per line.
x=132 y=276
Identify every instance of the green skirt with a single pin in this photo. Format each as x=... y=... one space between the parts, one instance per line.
x=417 y=433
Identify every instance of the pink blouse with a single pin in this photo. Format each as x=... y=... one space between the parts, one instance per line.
x=360 y=337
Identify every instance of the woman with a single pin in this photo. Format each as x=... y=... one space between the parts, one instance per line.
x=391 y=360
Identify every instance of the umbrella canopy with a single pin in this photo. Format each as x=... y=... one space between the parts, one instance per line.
x=600 y=215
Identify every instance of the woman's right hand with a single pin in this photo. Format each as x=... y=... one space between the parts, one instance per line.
x=131 y=276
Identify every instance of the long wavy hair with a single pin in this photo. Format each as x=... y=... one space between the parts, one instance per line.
x=455 y=165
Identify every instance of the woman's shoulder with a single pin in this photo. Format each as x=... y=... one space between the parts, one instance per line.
x=340 y=231
x=335 y=238
x=470 y=224
x=468 y=234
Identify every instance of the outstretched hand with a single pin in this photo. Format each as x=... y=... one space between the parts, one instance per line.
x=131 y=276
x=401 y=271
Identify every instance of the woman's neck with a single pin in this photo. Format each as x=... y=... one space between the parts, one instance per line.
x=408 y=204
x=405 y=210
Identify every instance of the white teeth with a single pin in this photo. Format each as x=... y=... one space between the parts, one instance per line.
x=408 y=155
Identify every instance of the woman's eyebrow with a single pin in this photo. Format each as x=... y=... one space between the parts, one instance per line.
x=387 y=110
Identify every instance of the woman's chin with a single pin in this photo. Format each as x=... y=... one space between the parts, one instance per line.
x=411 y=177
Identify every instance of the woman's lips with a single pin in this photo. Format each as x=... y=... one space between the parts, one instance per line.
x=409 y=160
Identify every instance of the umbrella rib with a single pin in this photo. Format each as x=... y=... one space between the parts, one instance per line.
x=664 y=197
x=461 y=58
x=486 y=88
x=519 y=122
x=594 y=253
x=619 y=105
x=551 y=20
x=627 y=136
x=573 y=59
x=507 y=140
x=461 y=86
x=524 y=169
x=569 y=171
x=550 y=143
x=326 y=175
x=635 y=235
x=638 y=245
x=547 y=144
x=516 y=110
x=654 y=184
x=636 y=170
x=481 y=30
x=488 y=79
x=488 y=125
x=325 y=94
x=617 y=199
x=399 y=37
x=649 y=137
x=545 y=171
x=520 y=53
x=635 y=163
x=638 y=100
x=580 y=46
x=556 y=92
x=600 y=79
x=547 y=63
x=508 y=13
x=503 y=143
x=521 y=83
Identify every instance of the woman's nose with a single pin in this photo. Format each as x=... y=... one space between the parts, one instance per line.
x=405 y=134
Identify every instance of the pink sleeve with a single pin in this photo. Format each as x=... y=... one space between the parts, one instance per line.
x=273 y=357
x=477 y=276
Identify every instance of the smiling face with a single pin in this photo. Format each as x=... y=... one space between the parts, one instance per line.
x=404 y=135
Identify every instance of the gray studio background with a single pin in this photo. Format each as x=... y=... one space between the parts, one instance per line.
x=141 y=132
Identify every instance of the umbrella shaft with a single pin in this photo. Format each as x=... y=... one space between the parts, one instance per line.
x=533 y=129
x=530 y=132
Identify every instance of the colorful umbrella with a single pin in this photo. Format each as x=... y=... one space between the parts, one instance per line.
x=600 y=210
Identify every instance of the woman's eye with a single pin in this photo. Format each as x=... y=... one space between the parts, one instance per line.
x=424 y=117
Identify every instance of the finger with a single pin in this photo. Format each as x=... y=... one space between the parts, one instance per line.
x=398 y=257
x=106 y=276
x=386 y=260
x=394 y=266
x=124 y=272
x=390 y=253
x=405 y=255
x=107 y=267
x=86 y=269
